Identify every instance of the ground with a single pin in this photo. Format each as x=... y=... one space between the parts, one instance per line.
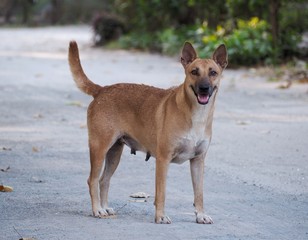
x=256 y=174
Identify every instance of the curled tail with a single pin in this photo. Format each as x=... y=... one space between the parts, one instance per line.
x=80 y=78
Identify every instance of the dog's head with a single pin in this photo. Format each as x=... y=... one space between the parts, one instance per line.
x=203 y=75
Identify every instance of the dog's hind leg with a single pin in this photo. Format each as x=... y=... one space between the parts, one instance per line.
x=160 y=190
x=111 y=163
x=98 y=151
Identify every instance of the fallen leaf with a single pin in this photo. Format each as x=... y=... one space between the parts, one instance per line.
x=4 y=188
x=75 y=103
x=140 y=195
x=285 y=86
x=35 y=149
x=5 y=169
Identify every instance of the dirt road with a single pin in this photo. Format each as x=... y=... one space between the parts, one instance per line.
x=256 y=181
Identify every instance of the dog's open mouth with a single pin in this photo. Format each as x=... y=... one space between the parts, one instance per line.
x=203 y=99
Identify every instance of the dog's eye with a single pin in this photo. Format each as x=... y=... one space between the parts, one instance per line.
x=195 y=72
x=213 y=73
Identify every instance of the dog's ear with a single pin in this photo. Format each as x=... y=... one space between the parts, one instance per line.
x=188 y=54
x=220 y=56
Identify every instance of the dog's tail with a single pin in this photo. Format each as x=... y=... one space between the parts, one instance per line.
x=81 y=79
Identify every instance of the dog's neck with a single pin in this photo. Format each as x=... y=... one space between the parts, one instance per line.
x=194 y=111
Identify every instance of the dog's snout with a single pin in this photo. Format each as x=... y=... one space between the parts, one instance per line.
x=204 y=88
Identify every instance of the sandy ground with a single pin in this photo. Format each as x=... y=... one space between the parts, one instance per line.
x=256 y=180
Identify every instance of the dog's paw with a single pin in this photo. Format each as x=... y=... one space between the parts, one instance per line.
x=110 y=211
x=163 y=220
x=104 y=212
x=203 y=219
x=100 y=213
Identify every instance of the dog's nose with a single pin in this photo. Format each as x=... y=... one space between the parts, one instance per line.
x=204 y=88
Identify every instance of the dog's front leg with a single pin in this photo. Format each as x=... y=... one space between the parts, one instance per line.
x=162 y=165
x=197 y=173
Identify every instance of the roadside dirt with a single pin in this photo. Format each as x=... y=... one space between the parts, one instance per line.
x=256 y=180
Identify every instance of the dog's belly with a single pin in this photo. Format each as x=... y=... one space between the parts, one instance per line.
x=136 y=146
x=133 y=144
x=188 y=149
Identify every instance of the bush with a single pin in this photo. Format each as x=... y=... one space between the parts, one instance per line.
x=248 y=43
x=242 y=25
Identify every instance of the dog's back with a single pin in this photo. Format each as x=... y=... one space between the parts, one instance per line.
x=124 y=107
x=145 y=94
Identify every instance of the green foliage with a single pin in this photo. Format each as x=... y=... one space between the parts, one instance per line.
x=154 y=15
x=245 y=9
x=144 y=41
x=293 y=16
x=249 y=43
x=171 y=40
x=243 y=25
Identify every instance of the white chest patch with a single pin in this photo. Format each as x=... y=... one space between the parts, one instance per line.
x=194 y=142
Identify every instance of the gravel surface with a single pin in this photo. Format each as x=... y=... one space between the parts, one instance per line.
x=256 y=177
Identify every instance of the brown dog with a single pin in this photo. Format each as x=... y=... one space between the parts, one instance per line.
x=172 y=125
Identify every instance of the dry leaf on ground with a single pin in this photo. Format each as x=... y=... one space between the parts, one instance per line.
x=35 y=149
x=285 y=86
x=4 y=188
x=140 y=195
x=75 y=103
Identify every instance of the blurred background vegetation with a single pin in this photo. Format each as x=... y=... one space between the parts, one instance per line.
x=255 y=31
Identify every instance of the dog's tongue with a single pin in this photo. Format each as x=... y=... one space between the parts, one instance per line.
x=203 y=99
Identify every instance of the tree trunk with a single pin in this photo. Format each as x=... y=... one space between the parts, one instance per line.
x=274 y=21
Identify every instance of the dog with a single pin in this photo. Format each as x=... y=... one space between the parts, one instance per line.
x=172 y=125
